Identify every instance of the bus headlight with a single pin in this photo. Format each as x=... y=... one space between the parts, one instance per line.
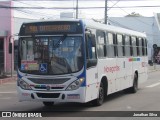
x=24 y=85
x=76 y=84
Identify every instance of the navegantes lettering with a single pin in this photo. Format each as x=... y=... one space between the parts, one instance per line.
x=111 y=69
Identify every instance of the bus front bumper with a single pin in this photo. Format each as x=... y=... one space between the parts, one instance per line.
x=52 y=96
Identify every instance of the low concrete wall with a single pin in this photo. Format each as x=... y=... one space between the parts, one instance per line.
x=153 y=68
x=8 y=79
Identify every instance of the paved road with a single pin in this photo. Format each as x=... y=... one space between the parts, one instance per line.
x=146 y=99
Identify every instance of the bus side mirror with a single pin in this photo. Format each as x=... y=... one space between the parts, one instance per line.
x=10 y=48
x=93 y=40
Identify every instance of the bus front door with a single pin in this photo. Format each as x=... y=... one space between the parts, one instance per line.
x=91 y=68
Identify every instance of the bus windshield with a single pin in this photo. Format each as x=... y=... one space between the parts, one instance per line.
x=52 y=55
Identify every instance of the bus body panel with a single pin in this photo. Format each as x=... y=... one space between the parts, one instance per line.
x=70 y=96
x=118 y=71
x=120 y=76
x=106 y=67
x=128 y=73
x=92 y=85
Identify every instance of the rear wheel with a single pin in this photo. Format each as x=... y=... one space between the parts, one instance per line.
x=134 y=88
x=99 y=101
x=48 y=104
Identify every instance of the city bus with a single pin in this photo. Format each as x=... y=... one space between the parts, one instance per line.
x=78 y=61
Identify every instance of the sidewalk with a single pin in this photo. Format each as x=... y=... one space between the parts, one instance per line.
x=153 y=68
x=6 y=79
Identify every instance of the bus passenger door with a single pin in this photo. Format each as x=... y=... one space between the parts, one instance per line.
x=121 y=64
x=91 y=68
x=128 y=61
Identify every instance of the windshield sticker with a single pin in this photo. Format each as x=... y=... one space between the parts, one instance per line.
x=24 y=67
x=65 y=49
x=27 y=62
x=30 y=57
x=43 y=67
x=29 y=65
x=33 y=66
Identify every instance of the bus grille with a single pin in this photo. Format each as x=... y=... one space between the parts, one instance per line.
x=48 y=95
x=52 y=88
x=48 y=81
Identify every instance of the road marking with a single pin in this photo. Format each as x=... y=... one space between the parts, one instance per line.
x=6 y=98
x=129 y=107
x=153 y=85
x=9 y=92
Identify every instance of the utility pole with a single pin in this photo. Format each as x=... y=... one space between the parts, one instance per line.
x=77 y=10
x=105 y=12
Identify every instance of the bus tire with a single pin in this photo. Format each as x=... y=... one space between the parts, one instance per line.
x=48 y=104
x=134 y=88
x=99 y=101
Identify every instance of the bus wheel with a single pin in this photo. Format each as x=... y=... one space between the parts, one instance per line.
x=48 y=104
x=134 y=88
x=100 y=99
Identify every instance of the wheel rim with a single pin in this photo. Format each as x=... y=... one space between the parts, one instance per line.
x=101 y=94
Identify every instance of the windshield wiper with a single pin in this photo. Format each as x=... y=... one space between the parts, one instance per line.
x=60 y=40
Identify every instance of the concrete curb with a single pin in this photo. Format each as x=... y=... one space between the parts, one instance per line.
x=9 y=79
x=153 y=68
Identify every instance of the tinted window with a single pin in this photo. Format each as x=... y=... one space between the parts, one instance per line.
x=140 y=46
x=101 y=46
x=146 y=47
x=137 y=44
x=127 y=46
x=134 y=46
x=110 y=45
x=143 y=47
x=120 y=45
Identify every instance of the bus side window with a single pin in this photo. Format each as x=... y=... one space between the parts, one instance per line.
x=134 y=46
x=90 y=50
x=120 y=45
x=110 y=46
x=140 y=47
x=127 y=46
x=131 y=48
x=101 y=44
x=143 y=47
x=146 y=52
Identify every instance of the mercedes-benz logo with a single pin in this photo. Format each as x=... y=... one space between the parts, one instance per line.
x=48 y=88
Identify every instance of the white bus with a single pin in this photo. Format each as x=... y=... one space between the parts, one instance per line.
x=78 y=61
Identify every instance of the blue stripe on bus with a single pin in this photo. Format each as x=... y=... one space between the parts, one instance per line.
x=19 y=76
x=84 y=71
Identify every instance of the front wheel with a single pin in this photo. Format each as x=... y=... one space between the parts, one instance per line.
x=99 y=101
x=48 y=104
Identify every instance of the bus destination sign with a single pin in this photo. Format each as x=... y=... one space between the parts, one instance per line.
x=48 y=28
x=52 y=28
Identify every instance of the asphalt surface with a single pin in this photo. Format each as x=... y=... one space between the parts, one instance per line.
x=146 y=99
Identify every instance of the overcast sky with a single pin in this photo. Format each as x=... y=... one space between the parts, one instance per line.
x=86 y=13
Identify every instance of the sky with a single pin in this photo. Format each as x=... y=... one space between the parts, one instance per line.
x=96 y=13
